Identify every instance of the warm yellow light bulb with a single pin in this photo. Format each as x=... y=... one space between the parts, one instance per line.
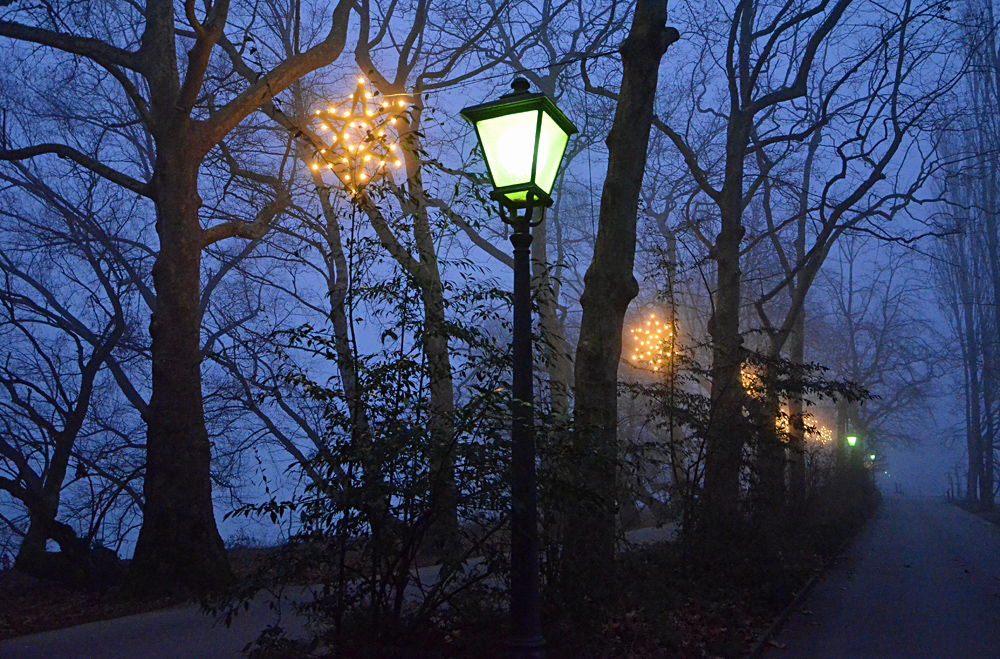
x=367 y=157
x=363 y=176
x=385 y=104
x=347 y=177
x=323 y=127
x=398 y=163
x=361 y=80
x=315 y=166
x=370 y=113
x=368 y=94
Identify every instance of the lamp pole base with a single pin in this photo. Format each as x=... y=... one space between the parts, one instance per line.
x=528 y=648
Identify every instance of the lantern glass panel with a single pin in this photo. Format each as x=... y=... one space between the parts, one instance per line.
x=551 y=145
x=509 y=144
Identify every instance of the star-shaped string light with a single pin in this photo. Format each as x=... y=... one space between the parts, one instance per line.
x=359 y=139
x=650 y=343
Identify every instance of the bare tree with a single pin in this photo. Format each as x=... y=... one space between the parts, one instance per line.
x=65 y=315
x=610 y=287
x=187 y=115
x=775 y=58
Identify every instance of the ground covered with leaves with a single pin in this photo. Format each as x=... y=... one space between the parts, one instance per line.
x=29 y=605
x=670 y=603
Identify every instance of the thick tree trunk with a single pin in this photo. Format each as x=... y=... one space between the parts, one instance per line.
x=769 y=479
x=727 y=431
x=990 y=343
x=987 y=446
x=179 y=546
x=558 y=362
x=797 y=350
x=43 y=506
x=32 y=557
x=609 y=288
x=796 y=425
x=974 y=431
x=441 y=424
x=444 y=491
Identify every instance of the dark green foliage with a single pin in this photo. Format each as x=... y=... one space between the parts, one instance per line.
x=678 y=400
x=361 y=531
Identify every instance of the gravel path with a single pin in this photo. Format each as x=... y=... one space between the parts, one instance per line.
x=921 y=582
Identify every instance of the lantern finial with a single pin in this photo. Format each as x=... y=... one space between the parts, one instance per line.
x=520 y=85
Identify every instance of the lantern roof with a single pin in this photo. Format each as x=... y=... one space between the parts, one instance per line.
x=519 y=100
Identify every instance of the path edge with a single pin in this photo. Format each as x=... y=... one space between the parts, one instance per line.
x=779 y=621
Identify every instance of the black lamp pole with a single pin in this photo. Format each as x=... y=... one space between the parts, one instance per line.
x=525 y=607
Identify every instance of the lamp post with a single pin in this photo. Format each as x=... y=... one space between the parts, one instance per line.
x=523 y=137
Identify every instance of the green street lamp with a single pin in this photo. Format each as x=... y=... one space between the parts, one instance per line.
x=852 y=440
x=523 y=137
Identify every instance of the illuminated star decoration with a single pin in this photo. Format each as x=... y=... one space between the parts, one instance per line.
x=650 y=343
x=359 y=139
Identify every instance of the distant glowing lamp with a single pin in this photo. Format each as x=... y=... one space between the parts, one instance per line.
x=852 y=440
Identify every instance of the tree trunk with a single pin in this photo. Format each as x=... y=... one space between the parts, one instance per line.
x=987 y=445
x=796 y=426
x=797 y=350
x=769 y=479
x=558 y=362
x=31 y=553
x=727 y=432
x=990 y=347
x=609 y=287
x=441 y=424
x=974 y=432
x=179 y=546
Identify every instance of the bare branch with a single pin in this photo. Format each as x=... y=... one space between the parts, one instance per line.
x=96 y=50
x=83 y=160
